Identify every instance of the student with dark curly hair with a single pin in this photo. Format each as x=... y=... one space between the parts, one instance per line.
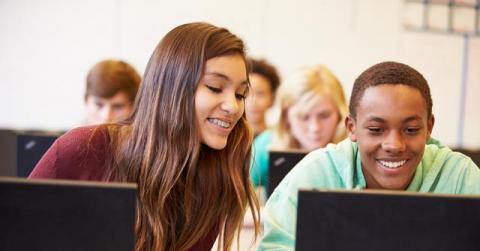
x=264 y=81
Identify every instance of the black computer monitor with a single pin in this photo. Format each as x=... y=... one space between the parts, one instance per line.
x=21 y=150
x=382 y=220
x=66 y=215
x=280 y=163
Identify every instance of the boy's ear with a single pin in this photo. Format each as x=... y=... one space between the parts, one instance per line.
x=430 y=123
x=351 y=126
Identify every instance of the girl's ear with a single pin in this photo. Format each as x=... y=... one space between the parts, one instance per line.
x=351 y=126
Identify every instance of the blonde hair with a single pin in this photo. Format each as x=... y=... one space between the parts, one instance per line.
x=300 y=92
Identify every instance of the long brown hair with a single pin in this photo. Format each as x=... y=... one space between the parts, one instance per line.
x=185 y=188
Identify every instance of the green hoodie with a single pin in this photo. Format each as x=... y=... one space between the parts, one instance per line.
x=339 y=167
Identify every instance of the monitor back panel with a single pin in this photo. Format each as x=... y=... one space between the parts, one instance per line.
x=30 y=149
x=20 y=151
x=337 y=221
x=66 y=215
x=8 y=153
x=280 y=163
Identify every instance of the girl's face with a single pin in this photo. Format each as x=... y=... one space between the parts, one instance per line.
x=315 y=127
x=220 y=99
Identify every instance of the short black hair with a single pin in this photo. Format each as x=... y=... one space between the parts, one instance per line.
x=389 y=73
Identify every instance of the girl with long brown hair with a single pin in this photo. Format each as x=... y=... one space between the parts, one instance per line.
x=186 y=145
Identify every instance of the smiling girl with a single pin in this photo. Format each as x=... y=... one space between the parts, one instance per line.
x=186 y=145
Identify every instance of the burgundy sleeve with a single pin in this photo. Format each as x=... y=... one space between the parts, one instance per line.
x=78 y=154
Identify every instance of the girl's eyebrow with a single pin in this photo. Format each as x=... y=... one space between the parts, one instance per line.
x=217 y=74
x=223 y=76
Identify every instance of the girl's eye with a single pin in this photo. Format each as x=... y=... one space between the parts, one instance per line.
x=324 y=115
x=240 y=96
x=214 y=89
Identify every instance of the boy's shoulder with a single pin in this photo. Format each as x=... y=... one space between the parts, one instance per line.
x=332 y=166
x=448 y=171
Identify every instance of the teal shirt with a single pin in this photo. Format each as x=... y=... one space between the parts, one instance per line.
x=339 y=167
x=260 y=159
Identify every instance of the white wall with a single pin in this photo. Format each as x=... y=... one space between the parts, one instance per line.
x=47 y=47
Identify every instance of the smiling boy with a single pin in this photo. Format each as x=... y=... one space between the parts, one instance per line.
x=389 y=147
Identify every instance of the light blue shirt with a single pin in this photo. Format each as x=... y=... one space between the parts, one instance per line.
x=339 y=167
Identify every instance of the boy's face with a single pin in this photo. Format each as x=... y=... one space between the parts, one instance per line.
x=391 y=129
x=107 y=110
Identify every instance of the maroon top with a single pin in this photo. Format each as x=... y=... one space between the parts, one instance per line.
x=80 y=154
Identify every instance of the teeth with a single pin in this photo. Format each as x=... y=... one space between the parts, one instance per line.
x=220 y=123
x=392 y=165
